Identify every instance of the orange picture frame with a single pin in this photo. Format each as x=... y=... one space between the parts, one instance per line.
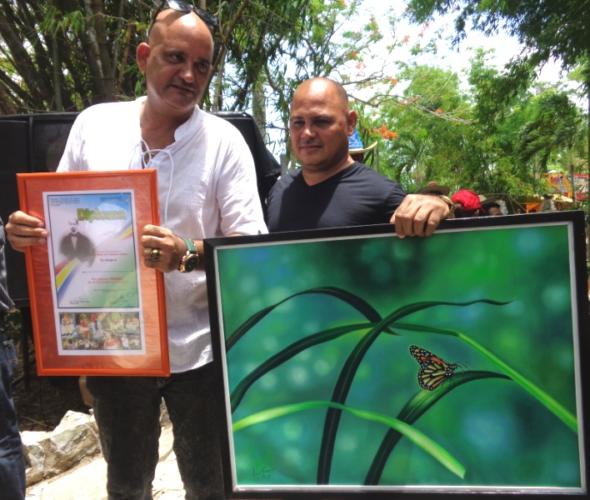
x=96 y=309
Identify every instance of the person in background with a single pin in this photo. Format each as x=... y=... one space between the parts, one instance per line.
x=12 y=465
x=467 y=203
x=491 y=208
x=548 y=203
x=332 y=189
x=357 y=149
x=206 y=188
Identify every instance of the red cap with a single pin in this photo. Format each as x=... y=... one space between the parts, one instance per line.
x=467 y=198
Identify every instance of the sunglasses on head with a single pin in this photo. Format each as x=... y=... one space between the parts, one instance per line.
x=186 y=8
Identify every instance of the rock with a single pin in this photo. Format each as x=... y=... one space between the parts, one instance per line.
x=51 y=453
x=88 y=480
x=34 y=454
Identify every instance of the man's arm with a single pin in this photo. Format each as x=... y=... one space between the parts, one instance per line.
x=420 y=215
x=236 y=198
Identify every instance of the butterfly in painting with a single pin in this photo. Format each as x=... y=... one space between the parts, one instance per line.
x=433 y=370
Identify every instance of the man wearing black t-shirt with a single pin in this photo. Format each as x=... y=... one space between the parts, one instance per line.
x=333 y=190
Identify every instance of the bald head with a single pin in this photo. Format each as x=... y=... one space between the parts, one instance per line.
x=322 y=85
x=170 y=20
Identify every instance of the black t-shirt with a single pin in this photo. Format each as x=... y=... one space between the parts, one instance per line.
x=355 y=196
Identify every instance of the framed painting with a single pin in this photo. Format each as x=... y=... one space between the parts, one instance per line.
x=355 y=363
x=96 y=309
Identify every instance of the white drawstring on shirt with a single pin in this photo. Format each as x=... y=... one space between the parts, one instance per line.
x=147 y=155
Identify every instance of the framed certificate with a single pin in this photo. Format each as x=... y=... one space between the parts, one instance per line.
x=96 y=309
x=356 y=364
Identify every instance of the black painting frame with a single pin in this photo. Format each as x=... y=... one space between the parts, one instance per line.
x=574 y=220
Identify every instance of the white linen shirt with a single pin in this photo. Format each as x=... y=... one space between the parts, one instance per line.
x=213 y=194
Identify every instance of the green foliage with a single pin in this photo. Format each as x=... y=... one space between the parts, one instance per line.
x=284 y=43
x=431 y=123
x=555 y=124
x=68 y=55
x=57 y=22
x=548 y=29
x=78 y=53
x=498 y=136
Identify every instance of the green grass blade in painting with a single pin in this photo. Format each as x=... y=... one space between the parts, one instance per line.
x=415 y=436
x=413 y=410
x=359 y=304
x=562 y=413
x=291 y=350
x=348 y=373
x=568 y=418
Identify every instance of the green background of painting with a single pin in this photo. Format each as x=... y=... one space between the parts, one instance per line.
x=499 y=432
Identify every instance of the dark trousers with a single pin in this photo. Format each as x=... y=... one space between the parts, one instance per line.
x=127 y=411
x=12 y=466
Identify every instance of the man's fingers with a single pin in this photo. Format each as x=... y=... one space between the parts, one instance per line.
x=156 y=231
x=403 y=226
x=419 y=215
x=161 y=248
x=404 y=218
x=23 y=230
x=21 y=218
x=19 y=243
x=411 y=226
x=431 y=224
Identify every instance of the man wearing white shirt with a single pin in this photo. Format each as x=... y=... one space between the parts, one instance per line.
x=207 y=188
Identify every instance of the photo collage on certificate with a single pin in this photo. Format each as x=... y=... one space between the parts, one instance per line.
x=93 y=260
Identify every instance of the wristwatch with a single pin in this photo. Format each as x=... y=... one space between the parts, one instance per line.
x=190 y=260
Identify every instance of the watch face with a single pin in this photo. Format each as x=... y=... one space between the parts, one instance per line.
x=190 y=262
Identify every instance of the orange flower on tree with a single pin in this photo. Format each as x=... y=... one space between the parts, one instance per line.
x=381 y=130
x=386 y=134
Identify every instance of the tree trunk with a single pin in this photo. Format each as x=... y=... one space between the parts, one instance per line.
x=259 y=104
x=55 y=68
x=99 y=49
x=217 y=101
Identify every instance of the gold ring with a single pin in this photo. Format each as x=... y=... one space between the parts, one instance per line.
x=155 y=254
